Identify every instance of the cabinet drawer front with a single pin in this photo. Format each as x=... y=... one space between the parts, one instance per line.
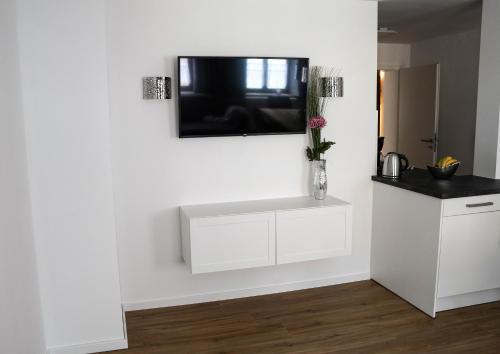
x=470 y=254
x=309 y=234
x=471 y=205
x=232 y=242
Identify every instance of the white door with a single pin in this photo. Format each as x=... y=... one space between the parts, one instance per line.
x=389 y=98
x=418 y=114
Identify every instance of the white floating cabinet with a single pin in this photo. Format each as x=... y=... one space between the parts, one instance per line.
x=232 y=242
x=237 y=235
x=308 y=234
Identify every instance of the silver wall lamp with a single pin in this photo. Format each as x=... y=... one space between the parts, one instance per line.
x=156 y=88
x=332 y=86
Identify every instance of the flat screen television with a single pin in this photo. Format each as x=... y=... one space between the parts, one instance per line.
x=230 y=96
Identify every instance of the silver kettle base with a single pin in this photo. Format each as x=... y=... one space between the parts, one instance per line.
x=391 y=177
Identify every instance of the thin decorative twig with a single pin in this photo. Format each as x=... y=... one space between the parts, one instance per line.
x=316 y=106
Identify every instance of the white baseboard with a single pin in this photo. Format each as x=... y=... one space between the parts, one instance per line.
x=470 y=299
x=245 y=292
x=93 y=347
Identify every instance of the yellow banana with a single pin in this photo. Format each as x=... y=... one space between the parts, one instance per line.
x=442 y=161
x=450 y=162
x=446 y=161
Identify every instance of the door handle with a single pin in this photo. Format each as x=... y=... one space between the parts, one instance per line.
x=477 y=205
x=427 y=140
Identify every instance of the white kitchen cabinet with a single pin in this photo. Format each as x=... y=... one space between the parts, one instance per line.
x=437 y=254
x=237 y=235
x=470 y=254
x=471 y=205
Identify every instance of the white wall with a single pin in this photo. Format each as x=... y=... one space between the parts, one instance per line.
x=64 y=78
x=487 y=144
x=393 y=56
x=155 y=172
x=21 y=329
x=458 y=56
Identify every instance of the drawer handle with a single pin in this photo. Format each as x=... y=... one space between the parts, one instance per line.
x=477 y=205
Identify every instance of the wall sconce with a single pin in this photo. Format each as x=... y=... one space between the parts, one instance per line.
x=156 y=88
x=332 y=86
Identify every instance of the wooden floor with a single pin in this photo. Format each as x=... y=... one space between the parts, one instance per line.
x=360 y=317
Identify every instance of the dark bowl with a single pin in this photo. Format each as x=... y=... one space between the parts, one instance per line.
x=445 y=172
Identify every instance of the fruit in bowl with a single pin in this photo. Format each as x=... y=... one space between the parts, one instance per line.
x=447 y=161
x=445 y=167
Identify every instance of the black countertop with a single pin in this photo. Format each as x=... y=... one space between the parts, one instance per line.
x=421 y=181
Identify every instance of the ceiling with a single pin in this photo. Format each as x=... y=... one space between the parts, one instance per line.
x=416 y=20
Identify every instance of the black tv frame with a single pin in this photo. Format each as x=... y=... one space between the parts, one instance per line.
x=229 y=57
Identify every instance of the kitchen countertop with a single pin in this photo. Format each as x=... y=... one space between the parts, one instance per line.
x=421 y=181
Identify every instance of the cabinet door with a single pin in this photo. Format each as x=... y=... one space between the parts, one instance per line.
x=232 y=242
x=309 y=234
x=470 y=254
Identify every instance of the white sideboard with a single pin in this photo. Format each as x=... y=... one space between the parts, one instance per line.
x=438 y=254
x=247 y=234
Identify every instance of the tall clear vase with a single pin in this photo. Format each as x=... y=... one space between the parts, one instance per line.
x=320 y=184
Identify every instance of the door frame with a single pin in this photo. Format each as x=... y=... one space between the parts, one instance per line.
x=436 y=118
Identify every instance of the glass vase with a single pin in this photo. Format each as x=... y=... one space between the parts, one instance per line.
x=320 y=184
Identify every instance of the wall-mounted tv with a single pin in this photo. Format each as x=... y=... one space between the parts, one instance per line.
x=228 y=96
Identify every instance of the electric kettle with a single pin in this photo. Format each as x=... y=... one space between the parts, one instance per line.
x=394 y=165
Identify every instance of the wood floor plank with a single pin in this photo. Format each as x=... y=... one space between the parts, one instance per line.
x=360 y=317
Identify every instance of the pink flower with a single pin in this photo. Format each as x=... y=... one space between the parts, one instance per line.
x=317 y=122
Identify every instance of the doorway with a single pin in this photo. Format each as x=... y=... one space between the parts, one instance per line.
x=409 y=113
x=428 y=62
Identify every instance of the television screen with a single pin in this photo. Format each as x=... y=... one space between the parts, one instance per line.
x=224 y=96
